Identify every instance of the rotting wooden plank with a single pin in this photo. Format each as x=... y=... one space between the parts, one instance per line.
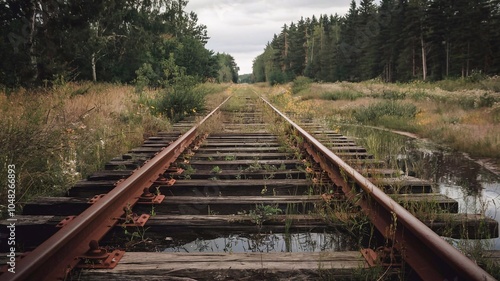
x=45 y=225
x=404 y=184
x=86 y=184
x=379 y=173
x=287 y=163
x=110 y=175
x=127 y=164
x=239 y=222
x=361 y=163
x=240 y=174
x=251 y=139
x=91 y=188
x=243 y=199
x=345 y=148
x=146 y=149
x=240 y=149
x=67 y=206
x=338 y=143
x=426 y=202
x=241 y=135
x=87 y=188
x=230 y=266
x=236 y=187
x=243 y=183
x=156 y=145
x=465 y=226
x=227 y=156
x=30 y=231
x=63 y=206
x=143 y=156
x=240 y=144
x=354 y=155
x=492 y=257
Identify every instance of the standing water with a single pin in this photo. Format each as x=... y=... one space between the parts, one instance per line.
x=475 y=188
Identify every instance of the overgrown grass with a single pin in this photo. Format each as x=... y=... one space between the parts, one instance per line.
x=341 y=95
x=55 y=137
x=385 y=109
x=467 y=119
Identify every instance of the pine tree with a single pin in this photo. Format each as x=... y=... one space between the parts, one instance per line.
x=348 y=51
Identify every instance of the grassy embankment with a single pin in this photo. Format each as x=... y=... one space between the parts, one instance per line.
x=57 y=136
x=461 y=114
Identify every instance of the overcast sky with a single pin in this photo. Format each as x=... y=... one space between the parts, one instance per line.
x=242 y=28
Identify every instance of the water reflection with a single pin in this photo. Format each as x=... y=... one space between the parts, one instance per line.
x=476 y=189
x=266 y=243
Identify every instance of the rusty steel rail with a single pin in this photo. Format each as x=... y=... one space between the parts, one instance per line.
x=425 y=251
x=55 y=257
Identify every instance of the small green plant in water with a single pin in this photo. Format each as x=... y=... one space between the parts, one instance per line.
x=230 y=158
x=263 y=213
x=216 y=170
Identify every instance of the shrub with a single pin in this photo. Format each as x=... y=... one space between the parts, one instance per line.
x=301 y=83
x=146 y=77
x=467 y=102
x=386 y=108
x=180 y=100
x=487 y=100
x=276 y=77
x=476 y=76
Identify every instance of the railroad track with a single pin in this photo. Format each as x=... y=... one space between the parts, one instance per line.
x=288 y=202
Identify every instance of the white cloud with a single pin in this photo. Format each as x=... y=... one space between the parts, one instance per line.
x=242 y=28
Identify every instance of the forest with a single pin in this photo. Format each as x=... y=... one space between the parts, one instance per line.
x=394 y=41
x=52 y=41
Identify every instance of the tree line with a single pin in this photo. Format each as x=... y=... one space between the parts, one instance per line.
x=112 y=40
x=395 y=40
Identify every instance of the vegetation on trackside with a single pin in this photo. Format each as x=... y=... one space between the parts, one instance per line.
x=58 y=135
x=461 y=114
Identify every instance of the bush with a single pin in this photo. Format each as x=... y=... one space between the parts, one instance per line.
x=476 y=76
x=301 y=83
x=276 y=77
x=146 y=77
x=487 y=100
x=180 y=100
x=467 y=102
x=386 y=108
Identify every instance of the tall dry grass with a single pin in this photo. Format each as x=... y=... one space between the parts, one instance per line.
x=57 y=136
x=460 y=114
